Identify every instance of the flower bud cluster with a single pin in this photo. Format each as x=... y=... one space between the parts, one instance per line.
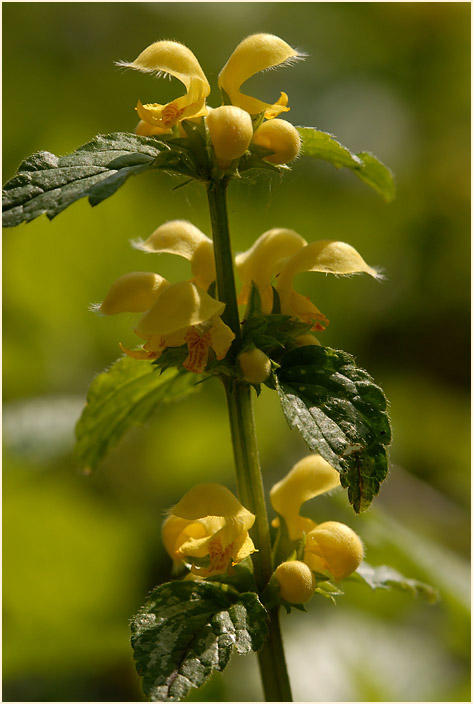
x=231 y=133
x=331 y=548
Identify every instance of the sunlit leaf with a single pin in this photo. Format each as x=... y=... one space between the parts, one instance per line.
x=48 y=184
x=322 y=145
x=340 y=413
x=125 y=395
x=384 y=577
x=187 y=630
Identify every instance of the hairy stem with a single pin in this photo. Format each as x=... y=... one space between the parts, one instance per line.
x=216 y=193
x=273 y=664
x=245 y=449
x=249 y=479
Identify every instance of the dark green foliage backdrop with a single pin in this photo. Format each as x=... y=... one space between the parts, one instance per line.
x=81 y=552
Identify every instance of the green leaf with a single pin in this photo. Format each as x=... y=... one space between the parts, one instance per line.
x=322 y=145
x=48 y=184
x=384 y=577
x=328 y=590
x=187 y=630
x=124 y=395
x=340 y=413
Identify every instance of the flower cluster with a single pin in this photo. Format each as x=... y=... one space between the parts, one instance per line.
x=278 y=255
x=233 y=126
x=185 y=313
x=331 y=548
x=174 y=314
x=208 y=531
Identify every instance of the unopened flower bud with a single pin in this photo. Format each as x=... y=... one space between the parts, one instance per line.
x=255 y=366
x=145 y=130
x=306 y=339
x=296 y=581
x=281 y=138
x=231 y=131
x=333 y=548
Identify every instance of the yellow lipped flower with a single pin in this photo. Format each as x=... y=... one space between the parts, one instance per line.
x=182 y=238
x=263 y=261
x=174 y=315
x=209 y=522
x=173 y=59
x=310 y=477
x=256 y=53
x=331 y=548
x=278 y=255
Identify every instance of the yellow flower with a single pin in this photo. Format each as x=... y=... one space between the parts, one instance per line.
x=331 y=548
x=256 y=53
x=209 y=522
x=309 y=478
x=278 y=255
x=174 y=315
x=184 y=239
x=173 y=59
x=263 y=261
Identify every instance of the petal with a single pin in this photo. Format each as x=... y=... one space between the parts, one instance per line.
x=176 y=60
x=264 y=260
x=242 y=547
x=166 y=116
x=278 y=107
x=180 y=306
x=198 y=351
x=171 y=531
x=170 y=58
x=140 y=353
x=133 y=293
x=256 y=53
x=298 y=306
x=221 y=337
x=328 y=257
x=310 y=477
x=184 y=239
x=206 y=500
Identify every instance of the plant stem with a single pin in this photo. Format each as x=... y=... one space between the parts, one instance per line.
x=245 y=449
x=249 y=479
x=216 y=193
x=273 y=664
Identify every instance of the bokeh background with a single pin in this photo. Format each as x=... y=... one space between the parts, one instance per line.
x=80 y=552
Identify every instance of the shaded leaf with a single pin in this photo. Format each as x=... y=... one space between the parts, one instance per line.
x=48 y=184
x=340 y=413
x=124 y=395
x=187 y=630
x=322 y=145
x=384 y=577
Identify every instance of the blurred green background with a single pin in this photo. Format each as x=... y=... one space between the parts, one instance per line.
x=80 y=553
